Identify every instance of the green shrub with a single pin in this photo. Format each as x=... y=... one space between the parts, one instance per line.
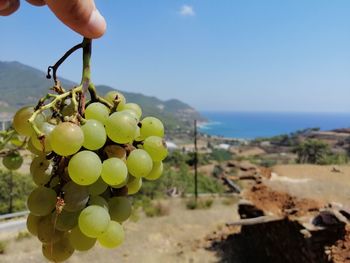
x=335 y=158
x=21 y=186
x=22 y=235
x=220 y=155
x=2 y=247
x=192 y=204
x=183 y=180
x=155 y=210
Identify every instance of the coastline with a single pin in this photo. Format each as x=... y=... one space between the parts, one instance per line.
x=253 y=125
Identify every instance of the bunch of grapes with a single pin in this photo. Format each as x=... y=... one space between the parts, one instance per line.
x=88 y=160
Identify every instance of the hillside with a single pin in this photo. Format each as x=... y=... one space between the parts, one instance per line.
x=22 y=85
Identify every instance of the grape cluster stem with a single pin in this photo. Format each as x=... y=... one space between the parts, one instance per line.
x=77 y=93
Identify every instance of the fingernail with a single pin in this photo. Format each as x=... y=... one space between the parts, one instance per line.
x=96 y=25
x=4 y=4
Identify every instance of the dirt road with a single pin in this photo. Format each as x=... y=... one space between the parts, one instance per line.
x=172 y=238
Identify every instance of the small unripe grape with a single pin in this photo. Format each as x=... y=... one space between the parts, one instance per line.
x=39 y=170
x=156 y=172
x=97 y=187
x=134 y=185
x=97 y=111
x=47 y=232
x=58 y=251
x=113 y=236
x=132 y=114
x=66 y=139
x=41 y=201
x=20 y=121
x=119 y=208
x=133 y=107
x=156 y=148
x=139 y=163
x=151 y=126
x=12 y=161
x=121 y=127
x=46 y=128
x=65 y=220
x=99 y=201
x=75 y=196
x=93 y=221
x=32 y=224
x=79 y=241
x=114 y=171
x=32 y=149
x=113 y=95
x=94 y=135
x=85 y=168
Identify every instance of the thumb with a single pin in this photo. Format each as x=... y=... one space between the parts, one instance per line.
x=80 y=15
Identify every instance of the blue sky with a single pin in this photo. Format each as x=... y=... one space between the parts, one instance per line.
x=249 y=55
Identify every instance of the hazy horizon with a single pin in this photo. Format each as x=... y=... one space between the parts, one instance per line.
x=265 y=56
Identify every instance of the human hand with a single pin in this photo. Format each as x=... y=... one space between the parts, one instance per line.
x=80 y=15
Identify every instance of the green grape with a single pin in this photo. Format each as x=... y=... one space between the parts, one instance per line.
x=32 y=149
x=59 y=251
x=12 y=161
x=131 y=113
x=121 y=127
x=41 y=201
x=115 y=151
x=68 y=110
x=38 y=170
x=93 y=221
x=151 y=126
x=47 y=232
x=66 y=139
x=98 y=200
x=20 y=121
x=134 y=185
x=79 y=241
x=122 y=184
x=133 y=107
x=113 y=236
x=32 y=224
x=46 y=128
x=119 y=208
x=156 y=148
x=113 y=95
x=139 y=163
x=94 y=135
x=114 y=171
x=138 y=134
x=85 y=168
x=97 y=187
x=65 y=220
x=156 y=172
x=38 y=145
x=97 y=111
x=75 y=196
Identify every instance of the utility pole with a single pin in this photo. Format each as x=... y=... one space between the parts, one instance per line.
x=195 y=161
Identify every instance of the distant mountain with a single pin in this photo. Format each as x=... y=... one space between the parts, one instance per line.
x=23 y=85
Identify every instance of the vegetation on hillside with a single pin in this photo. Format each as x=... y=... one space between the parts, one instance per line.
x=21 y=84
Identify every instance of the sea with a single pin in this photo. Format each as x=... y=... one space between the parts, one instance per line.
x=250 y=125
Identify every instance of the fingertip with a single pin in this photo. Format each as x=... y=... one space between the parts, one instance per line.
x=96 y=26
x=8 y=7
x=37 y=2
